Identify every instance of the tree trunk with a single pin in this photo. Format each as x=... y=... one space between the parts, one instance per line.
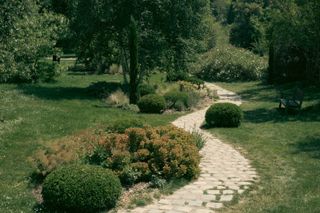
x=134 y=67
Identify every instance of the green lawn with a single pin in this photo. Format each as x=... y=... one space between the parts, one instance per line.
x=33 y=115
x=285 y=149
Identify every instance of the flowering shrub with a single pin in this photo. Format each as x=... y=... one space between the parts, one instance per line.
x=167 y=152
x=231 y=64
x=136 y=155
x=65 y=151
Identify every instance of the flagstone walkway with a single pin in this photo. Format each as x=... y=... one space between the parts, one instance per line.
x=225 y=173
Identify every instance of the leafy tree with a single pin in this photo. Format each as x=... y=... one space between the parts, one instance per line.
x=295 y=47
x=246 y=27
x=220 y=9
x=27 y=35
x=172 y=33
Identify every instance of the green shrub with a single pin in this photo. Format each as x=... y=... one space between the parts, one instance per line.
x=231 y=64
x=174 y=99
x=81 y=188
x=142 y=153
x=104 y=89
x=197 y=81
x=146 y=89
x=46 y=71
x=130 y=107
x=224 y=115
x=120 y=126
x=152 y=104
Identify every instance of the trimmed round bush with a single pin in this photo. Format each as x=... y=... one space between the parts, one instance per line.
x=152 y=104
x=224 y=115
x=146 y=89
x=81 y=188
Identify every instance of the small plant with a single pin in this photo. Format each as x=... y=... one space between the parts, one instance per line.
x=115 y=69
x=130 y=107
x=117 y=98
x=224 y=115
x=81 y=188
x=152 y=104
x=146 y=89
x=198 y=139
x=197 y=81
x=157 y=182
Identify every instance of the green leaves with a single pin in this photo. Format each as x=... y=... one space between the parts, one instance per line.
x=27 y=37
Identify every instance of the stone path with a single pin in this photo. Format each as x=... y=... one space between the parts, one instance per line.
x=224 y=171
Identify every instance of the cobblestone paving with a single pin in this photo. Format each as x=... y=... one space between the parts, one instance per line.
x=225 y=173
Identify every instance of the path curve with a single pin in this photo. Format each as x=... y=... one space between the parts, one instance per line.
x=224 y=171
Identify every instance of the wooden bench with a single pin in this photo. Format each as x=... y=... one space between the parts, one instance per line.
x=294 y=103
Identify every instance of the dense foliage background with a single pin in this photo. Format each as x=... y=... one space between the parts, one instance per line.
x=170 y=35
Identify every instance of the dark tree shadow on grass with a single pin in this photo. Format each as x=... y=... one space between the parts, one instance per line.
x=96 y=90
x=310 y=145
x=276 y=115
x=56 y=93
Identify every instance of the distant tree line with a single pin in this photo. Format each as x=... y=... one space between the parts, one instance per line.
x=288 y=31
x=171 y=34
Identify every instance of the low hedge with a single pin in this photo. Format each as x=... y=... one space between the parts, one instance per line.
x=81 y=188
x=224 y=115
x=152 y=104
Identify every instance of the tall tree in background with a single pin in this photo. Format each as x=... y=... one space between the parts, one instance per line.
x=295 y=42
x=134 y=66
x=172 y=32
x=26 y=36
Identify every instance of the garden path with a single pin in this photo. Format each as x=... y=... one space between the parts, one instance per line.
x=225 y=173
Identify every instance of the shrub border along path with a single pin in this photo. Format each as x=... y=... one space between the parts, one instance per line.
x=225 y=173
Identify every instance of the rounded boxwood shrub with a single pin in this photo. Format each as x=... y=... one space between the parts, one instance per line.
x=224 y=115
x=146 y=89
x=152 y=104
x=81 y=188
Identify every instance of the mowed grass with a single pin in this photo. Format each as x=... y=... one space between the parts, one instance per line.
x=284 y=148
x=35 y=114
